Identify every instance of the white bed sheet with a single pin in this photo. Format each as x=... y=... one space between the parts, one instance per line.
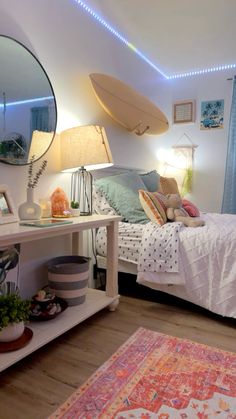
x=129 y=240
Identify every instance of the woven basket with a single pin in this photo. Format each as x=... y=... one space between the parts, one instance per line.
x=68 y=278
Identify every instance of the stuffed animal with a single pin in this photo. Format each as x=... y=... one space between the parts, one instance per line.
x=175 y=211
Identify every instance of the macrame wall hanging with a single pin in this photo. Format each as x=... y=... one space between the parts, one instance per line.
x=181 y=164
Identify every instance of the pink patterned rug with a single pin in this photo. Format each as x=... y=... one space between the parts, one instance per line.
x=155 y=376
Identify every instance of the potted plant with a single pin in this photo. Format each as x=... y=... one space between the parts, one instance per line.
x=75 y=211
x=14 y=311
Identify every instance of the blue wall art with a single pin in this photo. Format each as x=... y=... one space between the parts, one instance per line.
x=212 y=114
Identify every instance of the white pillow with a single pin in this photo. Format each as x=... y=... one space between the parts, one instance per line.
x=100 y=203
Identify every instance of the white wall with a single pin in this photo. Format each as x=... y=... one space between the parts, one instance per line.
x=70 y=45
x=210 y=155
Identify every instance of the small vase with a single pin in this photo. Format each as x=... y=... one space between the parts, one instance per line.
x=12 y=332
x=75 y=212
x=29 y=210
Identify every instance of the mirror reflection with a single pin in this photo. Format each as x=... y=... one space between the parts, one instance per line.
x=27 y=105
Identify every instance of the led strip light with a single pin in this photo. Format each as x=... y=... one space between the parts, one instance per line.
x=20 y=102
x=141 y=55
x=203 y=71
x=119 y=36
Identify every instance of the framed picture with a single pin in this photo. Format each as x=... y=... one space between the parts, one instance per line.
x=212 y=114
x=184 y=112
x=7 y=207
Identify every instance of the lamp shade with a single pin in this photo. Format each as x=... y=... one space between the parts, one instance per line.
x=84 y=146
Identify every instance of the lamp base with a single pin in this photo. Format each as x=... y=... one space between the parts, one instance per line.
x=81 y=190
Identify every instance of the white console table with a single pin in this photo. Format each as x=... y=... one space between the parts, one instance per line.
x=44 y=332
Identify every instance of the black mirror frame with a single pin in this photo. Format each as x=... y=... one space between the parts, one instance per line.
x=50 y=84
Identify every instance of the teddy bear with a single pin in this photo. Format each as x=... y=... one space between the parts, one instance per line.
x=175 y=211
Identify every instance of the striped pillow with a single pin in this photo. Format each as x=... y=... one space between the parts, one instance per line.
x=153 y=206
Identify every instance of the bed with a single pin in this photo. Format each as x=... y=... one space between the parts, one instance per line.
x=194 y=264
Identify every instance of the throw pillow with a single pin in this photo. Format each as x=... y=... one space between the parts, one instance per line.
x=153 y=206
x=121 y=191
x=151 y=180
x=168 y=185
x=191 y=209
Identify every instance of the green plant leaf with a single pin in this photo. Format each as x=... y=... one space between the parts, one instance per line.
x=13 y=309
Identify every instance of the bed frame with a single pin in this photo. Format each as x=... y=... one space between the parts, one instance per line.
x=125 y=267
x=184 y=292
x=128 y=267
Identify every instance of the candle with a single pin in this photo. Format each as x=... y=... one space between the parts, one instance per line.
x=46 y=208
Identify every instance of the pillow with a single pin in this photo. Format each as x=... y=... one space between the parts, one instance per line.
x=191 y=209
x=168 y=185
x=151 y=180
x=100 y=203
x=121 y=191
x=153 y=206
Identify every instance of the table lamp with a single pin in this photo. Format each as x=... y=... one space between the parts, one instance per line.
x=82 y=148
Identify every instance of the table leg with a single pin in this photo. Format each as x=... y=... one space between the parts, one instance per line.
x=112 y=264
x=77 y=243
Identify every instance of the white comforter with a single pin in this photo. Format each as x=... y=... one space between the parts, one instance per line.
x=207 y=264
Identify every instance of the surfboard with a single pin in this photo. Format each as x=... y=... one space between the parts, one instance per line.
x=127 y=106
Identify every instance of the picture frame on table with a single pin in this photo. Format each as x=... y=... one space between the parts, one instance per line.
x=8 y=213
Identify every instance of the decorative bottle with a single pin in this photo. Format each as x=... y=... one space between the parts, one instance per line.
x=29 y=210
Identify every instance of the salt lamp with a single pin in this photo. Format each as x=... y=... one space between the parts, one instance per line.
x=60 y=203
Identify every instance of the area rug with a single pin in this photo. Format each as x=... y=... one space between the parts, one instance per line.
x=155 y=376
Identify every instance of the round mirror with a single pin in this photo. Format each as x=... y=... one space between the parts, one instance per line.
x=28 y=112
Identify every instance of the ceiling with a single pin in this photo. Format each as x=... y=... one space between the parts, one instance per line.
x=176 y=35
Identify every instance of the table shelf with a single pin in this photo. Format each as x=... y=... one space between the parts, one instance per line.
x=46 y=331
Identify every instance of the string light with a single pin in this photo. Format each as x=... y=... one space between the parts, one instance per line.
x=142 y=56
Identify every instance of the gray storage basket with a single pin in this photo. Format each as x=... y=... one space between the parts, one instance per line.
x=68 y=278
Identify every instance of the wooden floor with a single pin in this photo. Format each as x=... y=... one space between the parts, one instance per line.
x=33 y=388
